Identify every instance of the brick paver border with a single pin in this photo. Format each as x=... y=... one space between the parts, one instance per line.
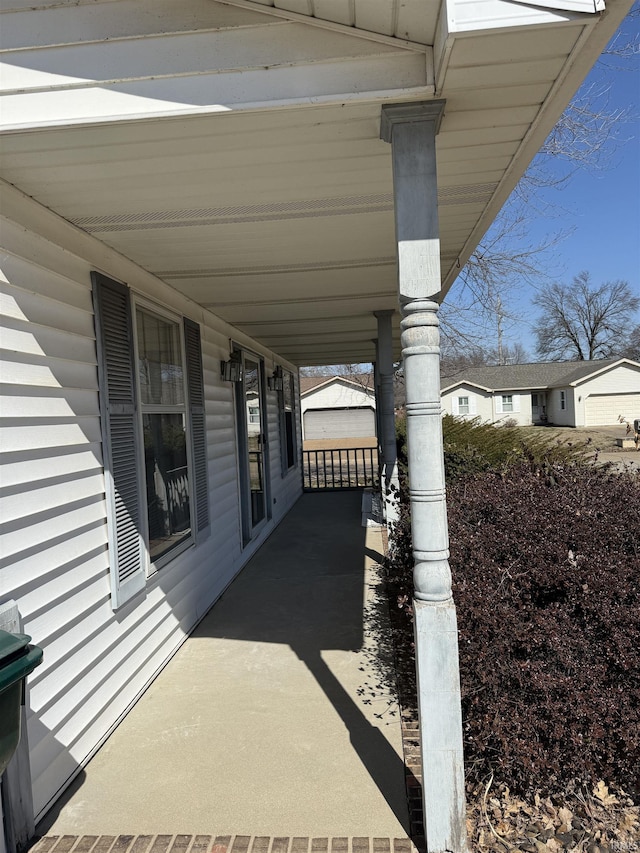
x=218 y=844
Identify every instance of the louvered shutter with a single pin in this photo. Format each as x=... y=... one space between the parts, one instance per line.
x=516 y=402
x=473 y=410
x=195 y=385
x=116 y=368
x=455 y=405
x=498 y=399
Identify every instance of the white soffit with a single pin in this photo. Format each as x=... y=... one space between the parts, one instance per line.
x=412 y=21
x=279 y=217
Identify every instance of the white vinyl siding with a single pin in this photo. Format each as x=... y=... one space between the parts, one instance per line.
x=52 y=494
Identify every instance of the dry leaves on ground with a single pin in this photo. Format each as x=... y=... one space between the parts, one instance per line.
x=600 y=821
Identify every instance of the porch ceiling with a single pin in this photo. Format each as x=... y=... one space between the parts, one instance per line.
x=280 y=220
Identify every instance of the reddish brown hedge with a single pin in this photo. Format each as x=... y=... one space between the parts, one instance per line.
x=546 y=565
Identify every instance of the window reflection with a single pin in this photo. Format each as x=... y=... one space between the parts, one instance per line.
x=167 y=481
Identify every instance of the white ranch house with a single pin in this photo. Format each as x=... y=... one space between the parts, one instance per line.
x=574 y=393
x=338 y=407
x=198 y=196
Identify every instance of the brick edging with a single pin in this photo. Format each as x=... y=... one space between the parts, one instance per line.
x=218 y=844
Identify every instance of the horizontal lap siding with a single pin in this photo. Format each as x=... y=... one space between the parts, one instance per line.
x=620 y=380
x=52 y=497
x=592 y=408
x=54 y=559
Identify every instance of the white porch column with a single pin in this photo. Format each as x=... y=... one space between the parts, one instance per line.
x=411 y=128
x=387 y=416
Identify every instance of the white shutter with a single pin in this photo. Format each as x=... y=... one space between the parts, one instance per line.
x=195 y=386
x=118 y=404
x=473 y=410
x=454 y=405
x=498 y=399
x=516 y=402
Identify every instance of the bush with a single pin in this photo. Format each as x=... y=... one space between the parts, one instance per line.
x=471 y=447
x=545 y=558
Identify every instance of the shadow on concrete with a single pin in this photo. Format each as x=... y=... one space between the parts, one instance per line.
x=240 y=720
x=307 y=590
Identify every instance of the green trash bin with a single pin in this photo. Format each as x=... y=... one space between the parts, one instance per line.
x=17 y=660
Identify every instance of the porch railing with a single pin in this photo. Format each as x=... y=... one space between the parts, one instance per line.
x=342 y=468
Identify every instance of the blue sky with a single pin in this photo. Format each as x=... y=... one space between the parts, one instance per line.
x=601 y=208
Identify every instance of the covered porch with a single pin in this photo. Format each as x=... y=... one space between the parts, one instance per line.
x=277 y=717
x=303 y=183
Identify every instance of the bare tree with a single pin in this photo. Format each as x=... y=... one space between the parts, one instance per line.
x=360 y=374
x=478 y=311
x=580 y=321
x=631 y=348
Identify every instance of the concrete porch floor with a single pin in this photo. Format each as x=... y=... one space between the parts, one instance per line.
x=277 y=716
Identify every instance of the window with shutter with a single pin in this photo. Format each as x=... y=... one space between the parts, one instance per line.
x=507 y=403
x=152 y=405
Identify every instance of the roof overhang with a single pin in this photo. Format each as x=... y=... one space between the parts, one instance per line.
x=446 y=388
x=332 y=380
x=232 y=149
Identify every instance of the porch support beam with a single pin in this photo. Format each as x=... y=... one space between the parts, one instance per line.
x=411 y=129
x=387 y=442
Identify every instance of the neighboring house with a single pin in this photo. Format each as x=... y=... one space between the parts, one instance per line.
x=195 y=192
x=253 y=413
x=571 y=393
x=338 y=407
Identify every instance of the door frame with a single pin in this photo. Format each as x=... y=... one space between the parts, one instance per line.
x=539 y=412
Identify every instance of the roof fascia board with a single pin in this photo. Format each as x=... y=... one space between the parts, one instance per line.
x=466 y=382
x=358 y=385
x=405 y=44
x=577 y=66
x=522 y=388
x=589 y=7
x=449 y=29
x=318 y=386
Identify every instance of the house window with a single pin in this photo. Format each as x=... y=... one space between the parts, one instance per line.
x=534 y=400
x=254 y=414
x=154 y=443
x=463 y=405
x=286 y=404
x=161 y=386
x=563 y=400
x=507 y=402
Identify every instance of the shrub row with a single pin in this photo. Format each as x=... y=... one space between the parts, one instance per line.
x=545 y=556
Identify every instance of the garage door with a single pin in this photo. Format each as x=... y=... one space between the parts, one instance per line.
x=339 y=423
x=601 y=409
